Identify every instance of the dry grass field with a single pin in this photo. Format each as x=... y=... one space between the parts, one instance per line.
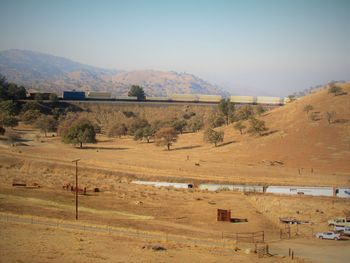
x=308 y=152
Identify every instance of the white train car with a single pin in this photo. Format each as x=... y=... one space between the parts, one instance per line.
x=300 y=190
x=209 y=98
x=184 y=97
x=343 y=192
x=157 y=99
x=98 y=95
x=269 y=100
x=164 y=184
x=243 y=99
x=231 y=187
x=125 y=98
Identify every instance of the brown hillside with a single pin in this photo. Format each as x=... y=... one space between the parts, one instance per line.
x=298 y=141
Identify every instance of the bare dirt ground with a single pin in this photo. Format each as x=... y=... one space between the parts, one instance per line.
x=309 y=153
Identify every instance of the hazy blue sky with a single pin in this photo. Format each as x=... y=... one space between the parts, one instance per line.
x=273 y=47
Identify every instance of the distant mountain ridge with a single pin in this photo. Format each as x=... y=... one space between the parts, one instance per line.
x=43 y=72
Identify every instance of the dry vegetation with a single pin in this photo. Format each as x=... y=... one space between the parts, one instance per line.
x=295 y=150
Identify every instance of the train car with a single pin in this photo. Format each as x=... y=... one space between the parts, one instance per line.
x=184 y=98
x=209 y=98
x=270 y=100
x=73 y=95
x=40 y=95
x=243 y=99
x=126 y=98
x=99 y=95
x=157 y=99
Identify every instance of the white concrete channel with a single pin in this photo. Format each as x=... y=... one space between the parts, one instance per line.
x=342 y=192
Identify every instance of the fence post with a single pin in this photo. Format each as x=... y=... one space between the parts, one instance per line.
x=292 y=254
x=289 y=252
x=263 y=236
x=166 y=237
x=267 y=249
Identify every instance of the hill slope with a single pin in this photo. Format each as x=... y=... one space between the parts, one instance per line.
x=43 y=72
x=296 y=140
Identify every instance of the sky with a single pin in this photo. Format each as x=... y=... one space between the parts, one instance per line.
x=262 y=47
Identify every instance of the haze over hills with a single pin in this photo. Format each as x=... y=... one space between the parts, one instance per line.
x=43 y=72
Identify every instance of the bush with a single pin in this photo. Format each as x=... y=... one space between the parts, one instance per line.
x=117 y=130
x=195 y=124
x=30 y=116
x=166 y=137
x=82 y=132
x=336 y=90
x=257 y=126
x=216 y=121
x=213 y=136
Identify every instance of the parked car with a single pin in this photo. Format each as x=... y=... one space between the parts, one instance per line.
x=328 y=235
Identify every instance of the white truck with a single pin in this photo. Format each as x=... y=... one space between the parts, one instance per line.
x=339 y=221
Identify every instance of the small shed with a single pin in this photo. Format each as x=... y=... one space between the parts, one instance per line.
x=224 y=215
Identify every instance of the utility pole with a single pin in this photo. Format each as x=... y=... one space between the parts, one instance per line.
x=76 y=187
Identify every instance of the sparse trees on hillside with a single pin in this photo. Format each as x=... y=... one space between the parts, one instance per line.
x=239 y=126
x=227 y=108
x=137 y=91
x=336 y=90
x=213 y=136
x=330 y=116
x=46 y=123
x=166 y=137
x=257 y=126
x=79 y=133
x=308 y=108
x=137 y=124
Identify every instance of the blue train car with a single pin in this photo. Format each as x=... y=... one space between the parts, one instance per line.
x=73 y=95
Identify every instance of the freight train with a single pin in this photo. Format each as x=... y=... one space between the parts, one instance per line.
x=190 y=98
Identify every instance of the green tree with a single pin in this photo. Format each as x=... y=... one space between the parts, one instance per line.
x=16 y=92
x=8 y=120
x=336 y=90
x=179 y=125
x=53 y=98
x=118 y=130
x=195 y=124
x=46 y=123
x=257 y=126
x=166 y=137
x=146 y=133
x=137 y=124
x=82 y=132
x=9 y=107
x=308 y=108
x=227 y=108
x=137 y=91
x=239 y=126
x=213 y=136
x=216 y=120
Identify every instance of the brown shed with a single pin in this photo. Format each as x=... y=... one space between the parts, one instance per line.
x=224 y=215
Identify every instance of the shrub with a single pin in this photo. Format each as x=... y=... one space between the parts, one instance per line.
x=213 y=136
